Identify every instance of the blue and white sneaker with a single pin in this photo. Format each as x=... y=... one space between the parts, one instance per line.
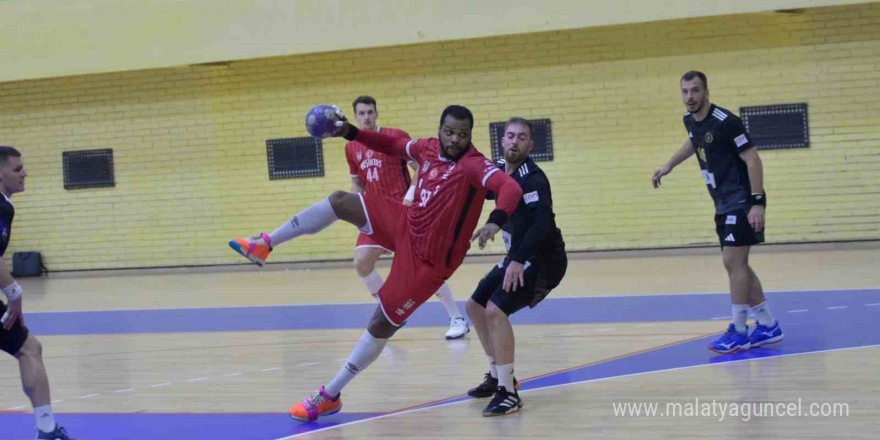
x=764 y=335
x=731 y=341
x=58 y=434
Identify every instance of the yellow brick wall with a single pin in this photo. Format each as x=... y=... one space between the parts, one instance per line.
x=190 y=154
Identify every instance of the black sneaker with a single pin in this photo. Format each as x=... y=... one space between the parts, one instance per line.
x=488 y=387
x=503 y=403
x=58 y=434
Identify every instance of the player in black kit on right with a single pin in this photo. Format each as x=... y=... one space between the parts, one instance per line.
x=734 y=176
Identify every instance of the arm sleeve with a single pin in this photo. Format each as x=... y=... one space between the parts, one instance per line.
x=539 y=212
x=383 y=143
x=736 y=131
x=507 y=191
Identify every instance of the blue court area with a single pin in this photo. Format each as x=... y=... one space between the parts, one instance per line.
x=813 y=321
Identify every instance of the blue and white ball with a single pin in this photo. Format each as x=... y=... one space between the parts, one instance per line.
x=319 y=121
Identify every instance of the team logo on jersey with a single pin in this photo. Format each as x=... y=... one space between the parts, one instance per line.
x=370 y=153
x=709 y=138
x=359 y=156
x=433 y=174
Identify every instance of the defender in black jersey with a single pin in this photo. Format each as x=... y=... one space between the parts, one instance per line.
x=14 y=336
x=535 y=263
x=734 y=177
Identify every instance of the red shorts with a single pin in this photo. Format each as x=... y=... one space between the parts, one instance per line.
x=411 y=281
x=366 y=241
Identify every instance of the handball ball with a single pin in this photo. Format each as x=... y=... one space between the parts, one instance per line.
x=319 y=121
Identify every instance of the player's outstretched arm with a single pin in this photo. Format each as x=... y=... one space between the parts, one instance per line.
x=508 y=193
x=383 y=143
x=687 y=150
x=13 y=296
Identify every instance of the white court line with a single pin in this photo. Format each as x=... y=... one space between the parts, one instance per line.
x=307 y=433
x=340 y=360
x=720 y=317
x=125 y=390
x=645 y=325
x=872 y=304
x=16 y=407
x=835 y=307
x=606 y=329
x=799 y=311
x=88 y=396
x=232 y=374
x=271 y=369
x=307 y=364
x=417 y=350
x=57 y=401
x=568 y=333
x=160 y=385
x=198 y=379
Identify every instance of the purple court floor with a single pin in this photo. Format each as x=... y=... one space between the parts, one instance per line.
x=825 y=320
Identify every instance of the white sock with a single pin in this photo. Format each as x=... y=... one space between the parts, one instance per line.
x=740 y=314
x=374 y=282
x=364 y=353
x=762 y=314
x=309 y=221
x=444 y=293
x=45 y=419
x=493 y=369
x=505 y=376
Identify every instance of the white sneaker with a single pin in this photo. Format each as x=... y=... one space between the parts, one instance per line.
x=458 y=327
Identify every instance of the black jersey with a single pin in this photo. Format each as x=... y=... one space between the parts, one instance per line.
x=531 y=231
x=6 y=214
x=719 y=139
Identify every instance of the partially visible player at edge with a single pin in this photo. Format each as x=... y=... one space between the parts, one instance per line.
x=15 y=338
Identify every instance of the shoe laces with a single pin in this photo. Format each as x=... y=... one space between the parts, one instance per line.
x=729 y=335
x=60 y=433
x=316 y=399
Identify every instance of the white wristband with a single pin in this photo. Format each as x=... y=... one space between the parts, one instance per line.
x=12 y=291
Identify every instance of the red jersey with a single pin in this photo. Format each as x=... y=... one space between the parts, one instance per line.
x=449 y=196
x=378 y=172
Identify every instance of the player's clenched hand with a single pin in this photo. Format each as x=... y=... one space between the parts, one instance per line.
x=486 y=233
x=664 y=170
x=340 y=122
x=513 y=277
x=13 y=313
x=756 y=218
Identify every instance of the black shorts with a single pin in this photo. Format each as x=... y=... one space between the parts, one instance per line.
x=734 y=229
x=540 y=278
x=11 y=340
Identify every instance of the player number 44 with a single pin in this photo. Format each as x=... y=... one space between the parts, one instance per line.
x=372 y=174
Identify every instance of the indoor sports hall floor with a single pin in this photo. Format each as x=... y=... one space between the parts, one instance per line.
x=222 y=353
